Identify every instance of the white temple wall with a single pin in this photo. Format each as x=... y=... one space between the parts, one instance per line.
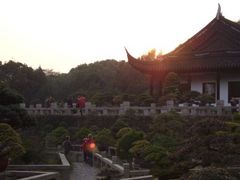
x=197 y=81
x=224 y=90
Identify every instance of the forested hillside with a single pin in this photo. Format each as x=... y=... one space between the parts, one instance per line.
x=103 y=81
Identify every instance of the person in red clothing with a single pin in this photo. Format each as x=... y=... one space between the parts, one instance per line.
x=81 y=101
x=88 y=147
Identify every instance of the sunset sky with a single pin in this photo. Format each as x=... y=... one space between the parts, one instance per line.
x=61 y=34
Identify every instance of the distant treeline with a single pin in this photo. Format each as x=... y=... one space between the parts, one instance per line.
x=107 y=81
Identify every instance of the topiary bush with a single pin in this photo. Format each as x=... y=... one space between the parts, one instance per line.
x=211 y=173
x=104 y=139
x=57 y=136
x=10 y=142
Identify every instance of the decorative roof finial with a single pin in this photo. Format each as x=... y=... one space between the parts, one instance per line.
x=219 y=13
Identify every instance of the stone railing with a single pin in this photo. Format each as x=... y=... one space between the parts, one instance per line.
x=147 y=177
x=30 y=175
x=106 y=160
x=101 y=161
x=217 y=109
x=63 y=169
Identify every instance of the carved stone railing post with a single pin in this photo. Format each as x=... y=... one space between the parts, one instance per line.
x=74 y=105
x=146 y=112
x=104 y=153
x=184 y=109
x=126 y=169
x=114 y=159
x=22 y=105
x=219 y=106
x=54 y=105
x=124 y=106
x=67 y=110
x=105 y=112
x=88 y=107
x=38 y=105
x=153 y=108
x=170 y=105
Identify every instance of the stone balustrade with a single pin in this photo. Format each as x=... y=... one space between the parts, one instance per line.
x=30 y=175
x=63 y=168
x=147 y=177
x=185 y=109
x=100 y=161
x=105 y=159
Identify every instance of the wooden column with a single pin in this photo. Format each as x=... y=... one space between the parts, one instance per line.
x=189 y=79
x=151 y=86
x=160 y=87
x=218 y=86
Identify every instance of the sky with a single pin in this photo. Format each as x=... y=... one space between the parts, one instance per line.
x=62 y=34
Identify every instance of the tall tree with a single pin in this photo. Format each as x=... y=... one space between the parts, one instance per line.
x=171 y=83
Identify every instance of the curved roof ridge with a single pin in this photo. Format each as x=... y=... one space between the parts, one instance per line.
x=215 y=47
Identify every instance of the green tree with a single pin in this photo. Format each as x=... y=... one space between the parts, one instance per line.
x=99 y=81
x=211 y=173
x=57 y=136
x=166 y=134
x=22 y=78
x=119 y=124
x=171 y=83
x=206 y=99
x=190 y=97
x=82 y=133
x=126 y=141
x=117 y=100
x=9 y=96
x=145 y=100
x=104 y=139
x=150 y=56
x=123 y=131
x=210 y=142
x=169 y=124
x=139 y=147
x=10 y=142
x=10 y=112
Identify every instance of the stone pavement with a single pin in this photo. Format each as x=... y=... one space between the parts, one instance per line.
x=82 y=171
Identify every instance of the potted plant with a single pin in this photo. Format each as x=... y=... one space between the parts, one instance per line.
x=10 y=145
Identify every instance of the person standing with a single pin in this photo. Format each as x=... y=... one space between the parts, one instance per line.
x=88 y=147
x=67 y=145
x=81 y=101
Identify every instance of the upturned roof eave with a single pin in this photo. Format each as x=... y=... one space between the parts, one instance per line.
x=163 y=67
x=146 y=67
x=171 y=59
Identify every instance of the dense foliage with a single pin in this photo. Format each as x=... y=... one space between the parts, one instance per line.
x=101 y=82
x=22 y=78
x=56 y=136
x=10 y=112
x=10 y=142
x=168 y=144
x=210 y=173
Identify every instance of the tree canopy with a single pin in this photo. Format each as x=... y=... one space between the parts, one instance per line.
x=104 y=81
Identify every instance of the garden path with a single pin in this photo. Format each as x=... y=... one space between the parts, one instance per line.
x=82 y=171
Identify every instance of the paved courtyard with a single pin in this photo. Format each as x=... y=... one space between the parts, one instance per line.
x=82 y=171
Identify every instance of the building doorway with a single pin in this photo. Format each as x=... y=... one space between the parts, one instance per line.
x=233 y=90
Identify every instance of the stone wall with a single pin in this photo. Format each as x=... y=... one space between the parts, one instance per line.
x=185 y=109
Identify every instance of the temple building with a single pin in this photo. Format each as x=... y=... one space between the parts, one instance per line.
x=208 y=62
